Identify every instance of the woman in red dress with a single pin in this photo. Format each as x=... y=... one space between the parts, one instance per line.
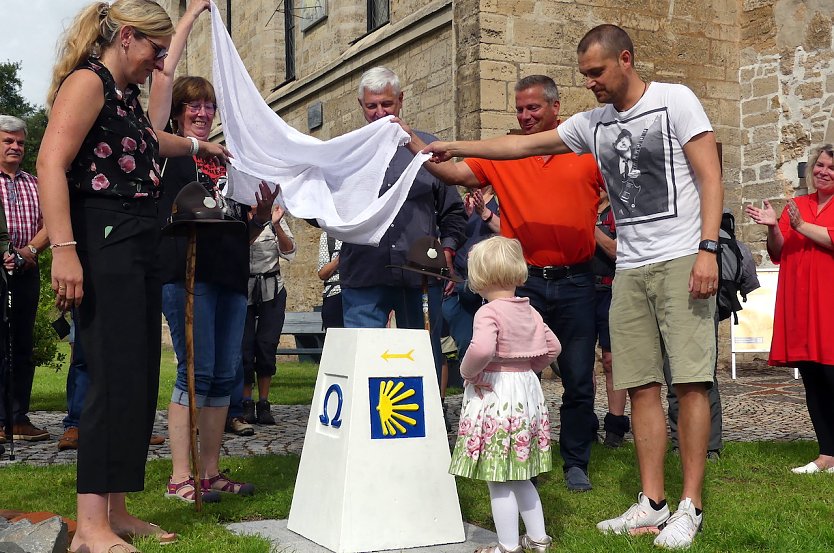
x=801 y=242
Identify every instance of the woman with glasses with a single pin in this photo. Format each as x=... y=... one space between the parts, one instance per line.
x=801 y=242
x=220 y=289
x=99 y=180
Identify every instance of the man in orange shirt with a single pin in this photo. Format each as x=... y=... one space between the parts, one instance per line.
x=549 y=203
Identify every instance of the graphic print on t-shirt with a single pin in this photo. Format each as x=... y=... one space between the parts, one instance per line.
x=636 y=163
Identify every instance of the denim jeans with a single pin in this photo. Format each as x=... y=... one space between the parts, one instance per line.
x=78 y=380
x=459 y=311
x=219 y=317
x=369 y=308
x=236 y=398
x=567 y=307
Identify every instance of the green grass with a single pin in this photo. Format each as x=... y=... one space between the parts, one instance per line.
x=752 y=501
x=293 y=385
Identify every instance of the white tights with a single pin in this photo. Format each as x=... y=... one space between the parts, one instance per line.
x=509 y=499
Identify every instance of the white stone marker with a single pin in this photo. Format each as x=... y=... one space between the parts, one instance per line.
x=374 y=468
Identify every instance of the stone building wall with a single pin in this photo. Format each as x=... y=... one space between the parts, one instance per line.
x=331 y=56
x=763 y=69
x=787 y=93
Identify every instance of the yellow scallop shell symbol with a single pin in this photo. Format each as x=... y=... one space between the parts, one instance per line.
x=389 y=408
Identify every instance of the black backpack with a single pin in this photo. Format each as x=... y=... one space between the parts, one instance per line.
x=729 y=270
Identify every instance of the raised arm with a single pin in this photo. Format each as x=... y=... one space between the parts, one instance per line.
x=510 y=146
x=159 y=104
x=283 y=235
x=702 y=154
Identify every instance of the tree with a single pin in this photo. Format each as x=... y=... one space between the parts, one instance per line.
x=11 y=100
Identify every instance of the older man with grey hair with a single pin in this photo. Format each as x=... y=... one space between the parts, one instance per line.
x=371 y=289
x=19 y=194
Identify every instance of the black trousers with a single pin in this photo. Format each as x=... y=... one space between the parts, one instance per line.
x=331 y=312
x=819 y=393
x=264 y=323
x=119 y=322
x=25 y=290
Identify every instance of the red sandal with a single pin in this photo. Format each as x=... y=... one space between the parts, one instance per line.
x=184 y=491
x=220 y=483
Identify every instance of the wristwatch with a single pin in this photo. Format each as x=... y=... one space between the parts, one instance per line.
x=260 y=225
x=32 y=249
x=710 y=246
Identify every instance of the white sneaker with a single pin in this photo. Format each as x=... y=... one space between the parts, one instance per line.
x=681 y=528
x=811 y=468
x=639 y=515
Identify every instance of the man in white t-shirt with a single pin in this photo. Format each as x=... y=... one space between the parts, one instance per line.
x=656 y=150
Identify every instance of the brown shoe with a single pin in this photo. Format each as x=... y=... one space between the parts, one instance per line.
x=239 y=426
x=69 y=440
x=156 y=439
x=28 y=432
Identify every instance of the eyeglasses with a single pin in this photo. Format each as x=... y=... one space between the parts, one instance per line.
x=195 y=107
x=159 y=52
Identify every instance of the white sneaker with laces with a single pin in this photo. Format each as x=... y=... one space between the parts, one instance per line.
x=639 y=515
x=681 y=528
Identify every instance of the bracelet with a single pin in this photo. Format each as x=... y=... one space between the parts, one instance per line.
x=62 y=244
x=488 y=219
x=195 y=145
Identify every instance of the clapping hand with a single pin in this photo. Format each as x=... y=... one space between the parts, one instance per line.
x=478 y=202
x=764 y=215
x=277 y=214
x=468 y=204
x=794 y=215
x=265 y=198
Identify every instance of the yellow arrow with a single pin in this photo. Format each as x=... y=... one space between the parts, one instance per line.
x=388 y=356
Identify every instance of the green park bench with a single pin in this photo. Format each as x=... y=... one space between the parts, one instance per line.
x=305 y=328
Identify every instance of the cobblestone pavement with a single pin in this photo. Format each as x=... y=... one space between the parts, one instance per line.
x=761 y=404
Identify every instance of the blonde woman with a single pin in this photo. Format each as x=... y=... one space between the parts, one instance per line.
x=801 y=241
x=99 y=179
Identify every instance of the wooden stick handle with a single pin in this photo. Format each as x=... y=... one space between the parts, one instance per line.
x=190 y=263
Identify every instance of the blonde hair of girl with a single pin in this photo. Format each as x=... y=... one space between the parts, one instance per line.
x=496 y=262
x=96 y=28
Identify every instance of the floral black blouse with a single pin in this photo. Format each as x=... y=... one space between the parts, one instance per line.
x=119 y=155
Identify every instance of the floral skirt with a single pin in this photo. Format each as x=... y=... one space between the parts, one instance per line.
x=504 y=435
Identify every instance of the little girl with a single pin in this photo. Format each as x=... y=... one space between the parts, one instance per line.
x=504 y=434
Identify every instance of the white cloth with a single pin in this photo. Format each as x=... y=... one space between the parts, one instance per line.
x=336 y=182
x=652 y=187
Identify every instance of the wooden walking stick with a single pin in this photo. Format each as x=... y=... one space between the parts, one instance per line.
x=190 y=263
